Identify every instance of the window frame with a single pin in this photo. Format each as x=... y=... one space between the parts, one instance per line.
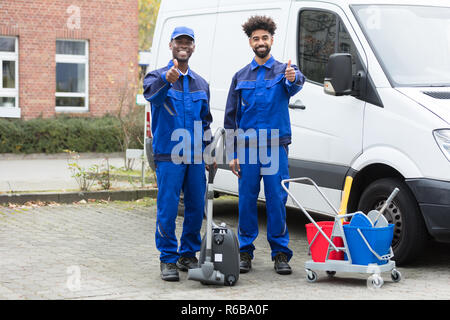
x=10 y=112
x=78 y=59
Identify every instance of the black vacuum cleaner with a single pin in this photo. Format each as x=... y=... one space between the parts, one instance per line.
x=219 y=253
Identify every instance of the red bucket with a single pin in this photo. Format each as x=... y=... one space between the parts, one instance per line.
x=320 y=246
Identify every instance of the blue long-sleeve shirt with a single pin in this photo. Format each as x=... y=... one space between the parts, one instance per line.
x=182 y=105
x=258 y=100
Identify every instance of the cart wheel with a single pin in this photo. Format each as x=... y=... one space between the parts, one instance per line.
x=230 y=280
x=396 y=276
x=375 y=281
x=331 y=273
x=311 y=276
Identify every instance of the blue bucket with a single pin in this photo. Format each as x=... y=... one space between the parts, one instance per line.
x=378 y=238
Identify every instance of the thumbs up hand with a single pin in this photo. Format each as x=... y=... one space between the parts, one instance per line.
x=290 y=72
x=172 y=75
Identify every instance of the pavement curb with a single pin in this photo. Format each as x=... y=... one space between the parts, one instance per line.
x=70 y=197
x=64 y=155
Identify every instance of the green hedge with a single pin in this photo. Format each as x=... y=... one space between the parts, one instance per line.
x=54 y=135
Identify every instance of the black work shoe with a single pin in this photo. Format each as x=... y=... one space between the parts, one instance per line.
x=184 y=264
x=169 y=272
x=245 y=263
x=281 y=264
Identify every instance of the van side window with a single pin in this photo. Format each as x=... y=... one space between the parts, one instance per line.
x=317 y=36
x=346 y=45
x=318 y=39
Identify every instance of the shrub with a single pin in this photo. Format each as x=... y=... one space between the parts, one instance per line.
x=54 y=135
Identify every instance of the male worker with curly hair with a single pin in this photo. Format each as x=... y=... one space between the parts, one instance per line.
x=258 y=103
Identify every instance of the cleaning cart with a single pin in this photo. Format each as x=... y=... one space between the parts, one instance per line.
x=362 y=245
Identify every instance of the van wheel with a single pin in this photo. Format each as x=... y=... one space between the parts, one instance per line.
x=409 y=229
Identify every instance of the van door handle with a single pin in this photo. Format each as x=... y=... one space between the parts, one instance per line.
x=298 y=104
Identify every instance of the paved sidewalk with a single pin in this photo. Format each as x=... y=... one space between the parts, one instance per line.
x=41 y=172
x=107 y=251
x=48 y=178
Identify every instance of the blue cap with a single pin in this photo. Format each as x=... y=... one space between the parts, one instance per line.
x=182 y=31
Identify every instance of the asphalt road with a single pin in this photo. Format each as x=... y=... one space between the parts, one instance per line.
x=107 y=251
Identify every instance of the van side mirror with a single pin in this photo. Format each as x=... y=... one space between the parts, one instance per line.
x=338 y=75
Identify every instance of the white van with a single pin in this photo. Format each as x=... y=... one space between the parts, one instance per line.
x=385 y=125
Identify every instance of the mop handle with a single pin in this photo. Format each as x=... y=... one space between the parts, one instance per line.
x=387 y=203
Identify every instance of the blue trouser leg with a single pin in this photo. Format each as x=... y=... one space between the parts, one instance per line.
x=194 y=188
x=170 y=178
x=249 y=187
x=276 y=197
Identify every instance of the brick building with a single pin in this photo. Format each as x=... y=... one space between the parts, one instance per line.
x=72 y=56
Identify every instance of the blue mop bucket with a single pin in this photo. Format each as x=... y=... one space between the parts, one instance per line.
x=379 y=240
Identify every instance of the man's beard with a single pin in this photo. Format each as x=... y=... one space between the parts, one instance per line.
x=262 y=54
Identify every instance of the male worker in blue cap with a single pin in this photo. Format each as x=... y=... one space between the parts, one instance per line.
x=258 y=103
x=179 y=100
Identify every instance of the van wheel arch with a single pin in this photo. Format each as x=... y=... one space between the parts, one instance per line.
x=365 y=177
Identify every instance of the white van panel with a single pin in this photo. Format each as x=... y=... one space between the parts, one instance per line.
x=387 y=155
x=250 y=3
x=404 y=125
x=171 y=5
x=329 y=130
x=440 y=107
x=227 y=183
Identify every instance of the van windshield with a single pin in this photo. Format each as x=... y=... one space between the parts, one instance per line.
x=412 y=43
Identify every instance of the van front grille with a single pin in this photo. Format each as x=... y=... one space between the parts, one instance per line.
x=438 y=94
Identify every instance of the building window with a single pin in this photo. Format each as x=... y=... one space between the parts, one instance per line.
x=9 y=77
x=72 y=75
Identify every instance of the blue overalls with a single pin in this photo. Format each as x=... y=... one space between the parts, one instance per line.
x=258 y=103
x=180 y=111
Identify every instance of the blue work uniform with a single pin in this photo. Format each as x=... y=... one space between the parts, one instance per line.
x=258 y=101
x=180 y=118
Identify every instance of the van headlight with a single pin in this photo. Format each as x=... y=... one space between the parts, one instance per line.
x=442 y=137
